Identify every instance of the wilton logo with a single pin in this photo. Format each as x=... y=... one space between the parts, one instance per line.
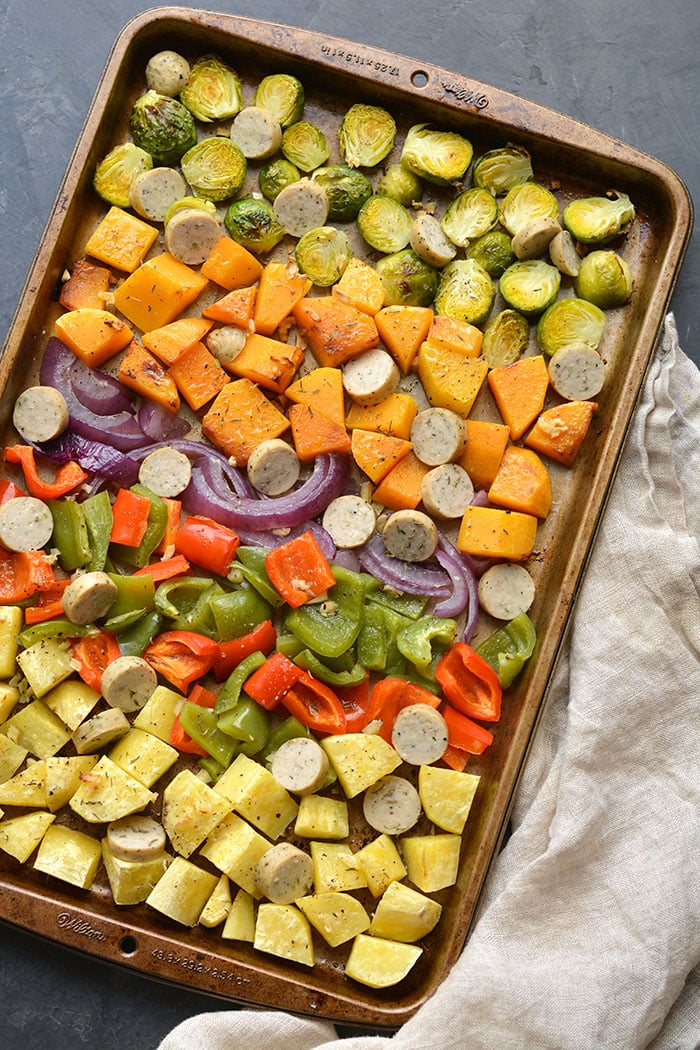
x=470 y=98
x=66 y=921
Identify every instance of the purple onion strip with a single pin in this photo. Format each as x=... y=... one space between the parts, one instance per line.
x=465 y=593
x=408 y=577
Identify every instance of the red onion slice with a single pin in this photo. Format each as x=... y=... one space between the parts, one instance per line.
x=465 y=591
x=93 y=456
x=160 y=425
x=408 y=577
x=99 y=392
x=269 y=540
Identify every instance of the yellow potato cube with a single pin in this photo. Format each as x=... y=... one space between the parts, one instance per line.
x=282 y=930
x=182 y=891
x=9 y=695
x=335 y=868
x=219 y=904
x=432 y=860
x=45 y=665
x=380 y=963
x=37 y=728
x=132 y=881
x=359 y=760
x=72 y=701
x=403 y=914
x=446 y=796
x=143 y=756
x=11 y=758
x=69 y=855
x=11 y=621
x=27 y=788
x=235 y=848
x=191 y=810
x=20 y=836
x=380 y=863
x=63 y=778
x=320 y=817
x=107 y=793
x=240 y=921
x=254 y=793
x=158 y=714
x=338 y=917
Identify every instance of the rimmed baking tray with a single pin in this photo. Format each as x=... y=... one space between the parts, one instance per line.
x=567 y=155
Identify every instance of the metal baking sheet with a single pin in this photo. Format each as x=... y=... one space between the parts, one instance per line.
x=566 y=154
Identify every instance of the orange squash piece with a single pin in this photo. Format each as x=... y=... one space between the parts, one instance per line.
x=334 y=330
x=488 y=532
x=522 y=483
x=158 y=291
x=168 y=342
x=361 y=286
x=142 y=373
x=400 y=489
x=198 y=375
x=231 y=265
x=235 y=308
x=121 y=240
x=268 y=362
x=376 y=454
x=450 y=379
x=241 y=418
x=93 y=335
x=559 y=432
x=323 y=389
x=449 y=333
x=402 y=330
x=394 y=415
x=313 y=433
x=87 y=285
x=483 y=452
x=519 y=391
x=278 y=292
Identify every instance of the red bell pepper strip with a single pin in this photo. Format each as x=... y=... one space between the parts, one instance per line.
x=8 y=490
x=181 y=657
x=261 y=639
x=178 y=737
x=22 y=574
x=67 y=478
x=93 y=652
x=172 y=524
x=455 y=758
x=389 y=696
x=463 y=733
x=271 y=683
x=299 y=570
x=207 y=543
x=129 y=518
x=49 y=603
x=469 y=683
x=315 y=705
x=165 y=569
x=355 y=701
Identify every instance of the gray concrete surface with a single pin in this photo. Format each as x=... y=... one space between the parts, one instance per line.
x=629 y=69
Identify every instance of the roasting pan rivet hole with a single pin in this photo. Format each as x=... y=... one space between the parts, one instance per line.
x=128 y=945
x=419 y=78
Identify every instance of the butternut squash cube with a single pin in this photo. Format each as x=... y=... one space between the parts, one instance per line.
x=446 y=796
x=450 y=379
x=381 y=864
x=338 y=917
x=241 y=418
x=449 y=333
x=483 y=452
x=322 y=389
x=20 y=836
x=268 y=362
x=159 y=290
x=486 y=532
x=522 y=483
x=231 y=265
x=376 y=454
x=198 y=375
x=519 y=390
x=87 y=285
x=402 y=329
x=400 y=489
x=143 y=374
x=380 y=963
x=432 y=860
x=334 y=330
x=361 y=286
x=173 y=339
x=394 y=416
x=236 y=308
x=121 y=240
x=93 y=335
x=403 y=914
x=314 y=433
x=71 y=856
x=559 y=432
x=279 y=291
x=182 y=891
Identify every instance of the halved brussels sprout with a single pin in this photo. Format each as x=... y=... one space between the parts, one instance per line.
x=493 y=251
x=275 y=176
x=401 y=184
x=407 y=280
x=215 y=168
x=604 y=278
x=441 y=157
x=466 y=292
x=163 y=127
x=213 y=91
x=500 y=170
x=384 y=223
x=505 y=338
x=530 y=286
x=367 y=135
x=283 y=95
x=322 y=254
x=305 y=145
x=116 y=172
x=593 y=220
x=525 y=203
x=187 y=204
x=346 y=188
x=470 y=215
x=567 y=321
x=252 y=223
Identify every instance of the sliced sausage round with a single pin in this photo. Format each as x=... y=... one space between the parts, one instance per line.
x=300 y=765
x=166 y=472
x=273 y=467
x=350 y=520
x=301 y=206
x=256 y=132
x=40 y=413
x=419 y=734
x=534 y=238
x=25 y=524
x=284 y=873
x=100 y=731
x=438 y=435
x=128 y=682
x=152 y=192
x=88 y=597
x=136 y=838
x=576 y=371
x=506 y=590
x=446 y=490
x=428 y=241
x=562 y=252
x=191 y=234
x=410 y=535
x=370 y=377
x=391 y=806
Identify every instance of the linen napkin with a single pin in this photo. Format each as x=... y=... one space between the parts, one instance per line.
x=589 y=930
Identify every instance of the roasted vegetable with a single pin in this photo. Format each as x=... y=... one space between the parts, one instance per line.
x=500 y=170
x=384 y=223
x=367 y=135
x=594 y=220
x=346 y=189
x=466 y=292
x=283 y=95
x=253 y=224
x=213 y=91
x=116 y=172
x=505 y=338
x=567 y=321
x=441 y=157
x=275 y=176
x=470 y=215
x=401 y=184
x=525 y=203
x=604 y=278
x=530 y=286
x=215 y=168
x=407 y=279
x=305 y=145
x=493 y=251
x=322 y=254
x=162 y=126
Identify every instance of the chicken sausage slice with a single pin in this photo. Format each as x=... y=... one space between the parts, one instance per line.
x=26 y=524
x=88 y=597
x=419 y=734
x=136 y=838
x=284 y=873
x=300 y=765
x=40 y=413
x=391 y=806
x=128 y=682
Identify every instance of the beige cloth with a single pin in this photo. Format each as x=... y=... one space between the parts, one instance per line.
x=589 y=930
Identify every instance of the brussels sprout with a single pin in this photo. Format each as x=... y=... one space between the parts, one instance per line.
x=604 y=278
x=305 y=145
x=116 y=172
x=466 y=292
x=593 y=220
x=367 y=135
x=401 y=184
x=283 y=95
x=252 y=223
x=162 y=126
x=407 y=280
x=527 y=202
x=187 y=204
x=441 y=157
x=505 y=338
x=530 y=286
x=493 y=251
x=346 y=189
x=471 y=214
x=215 y=168
x=275 y=176
x=167 y=73
x=500 y=170
x=322 y=254
x=213 y=91
x=384 y=223
x=570 y=321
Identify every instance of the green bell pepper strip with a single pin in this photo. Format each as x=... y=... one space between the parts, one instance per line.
x=250 y=561
x=70 y=533
x=310 y=662
x=289 y=645
x=247 y=723
x=155 y=529
x=98 y=520
x=411 y=605
x=238 y=612
x=199 y=617
x=212 y=767
x=58 y=629
x=230 y=693
x=201 y=724
x=331 y=627
x=372 y=641
x=415 y=642
x=135 y=639
x=133 y=593
x=509 y=648
x=174 y=597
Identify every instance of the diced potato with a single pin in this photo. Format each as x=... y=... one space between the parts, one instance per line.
x=37 y=728
x=191 y=810
x=11 y=620
x=63 y=778
x=27 y=788
x=107 y=793
x=182 y=892
x=143 y=756
x=45 y=665
x=219 y=904
x=72 y=701
x=20 y=836
x=380 y=963
x=446 y=796
x=11 y=758
x=338 y=917
x=158 y=714
x=240 y=921
x=432 y=860
x=132 y=881
x=9 y=695
x=335 y=868
x=71 y=856
x=320 y=817
x=235 y=848
x=403 y=914
x=282 y=930
x=380 y=863
x=359 y=760
x=255 y=794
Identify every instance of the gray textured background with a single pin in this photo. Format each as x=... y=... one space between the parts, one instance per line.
x=628 y=68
